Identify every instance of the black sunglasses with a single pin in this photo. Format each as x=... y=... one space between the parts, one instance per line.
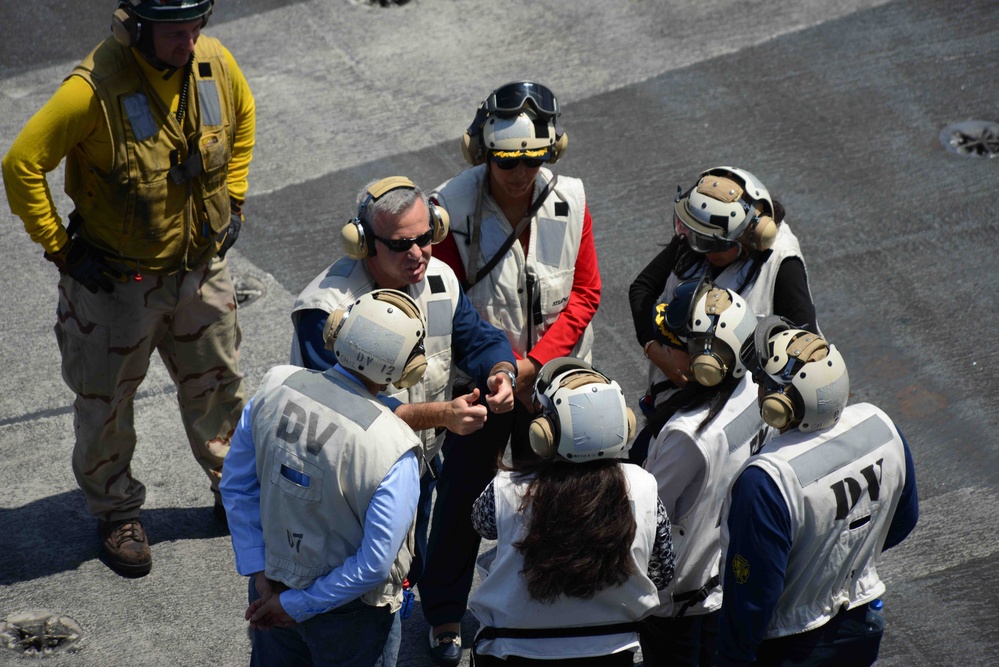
x=509 y=163
x=403 y=245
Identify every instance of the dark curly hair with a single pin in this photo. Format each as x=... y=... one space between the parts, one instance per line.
x=580 y=528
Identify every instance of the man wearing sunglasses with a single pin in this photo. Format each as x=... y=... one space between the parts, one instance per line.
x=521 y=242
x=398 y=227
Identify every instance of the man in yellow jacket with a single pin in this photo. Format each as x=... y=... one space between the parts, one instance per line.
x=157 y=128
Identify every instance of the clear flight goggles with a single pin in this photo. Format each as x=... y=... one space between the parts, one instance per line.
x=700 y=243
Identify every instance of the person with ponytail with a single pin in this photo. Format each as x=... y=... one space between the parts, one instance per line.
x=705 y=431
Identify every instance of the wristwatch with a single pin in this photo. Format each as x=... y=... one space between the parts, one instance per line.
x=513 y=378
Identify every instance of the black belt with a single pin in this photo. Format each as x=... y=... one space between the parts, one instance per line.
x=690 y=598
x=489 y=632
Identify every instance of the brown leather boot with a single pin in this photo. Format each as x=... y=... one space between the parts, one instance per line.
x=126 y=549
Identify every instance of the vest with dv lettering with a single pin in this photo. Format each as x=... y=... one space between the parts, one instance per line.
x=524 y=293
x=142 y=214
x=437 y=295
x=841 y=486
x=323 y=446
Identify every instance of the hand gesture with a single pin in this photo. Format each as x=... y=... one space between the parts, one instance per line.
x=466 y=415
x=500 y=397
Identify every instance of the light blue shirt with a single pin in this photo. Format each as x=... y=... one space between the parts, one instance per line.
x=386 y=525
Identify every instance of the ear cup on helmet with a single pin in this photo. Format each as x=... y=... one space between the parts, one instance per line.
x=125 y=27
x=353 y=240
x=440 y=222
x=471 y=149
x=332 y=327
x=561 y=143
x=631 y=423
x=416 y=366
x=542 y=437
x=708 y=369
x=777 y=410
x=762 y=233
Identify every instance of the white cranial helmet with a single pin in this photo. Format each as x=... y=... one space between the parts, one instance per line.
x=803 y=376
x=719 y=324
x=726 y=206
x=380 y=336
x=584 y=416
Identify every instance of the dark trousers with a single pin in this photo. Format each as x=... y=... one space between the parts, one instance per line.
x=427 y=484
x=687 y=641
x=850 y=639
x=352 y=635
x=469 y=465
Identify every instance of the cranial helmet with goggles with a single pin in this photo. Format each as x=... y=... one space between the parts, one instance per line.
x=380 y=337
x=128 y=20
x=583 y=414
x=727 y=207
x=804 y=377
x=518 y=121
x=711 y=324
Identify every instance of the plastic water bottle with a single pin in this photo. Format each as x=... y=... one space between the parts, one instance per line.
x=875 y=621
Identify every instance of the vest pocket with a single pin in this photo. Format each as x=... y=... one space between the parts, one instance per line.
x=555 y=288
x=296 y=476
x=214 y=158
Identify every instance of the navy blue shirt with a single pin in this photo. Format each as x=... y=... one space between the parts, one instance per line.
x=476 y=345
x=759 y=527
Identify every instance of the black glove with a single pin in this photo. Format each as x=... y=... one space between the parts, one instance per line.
x=235 y=223
x=85 y=265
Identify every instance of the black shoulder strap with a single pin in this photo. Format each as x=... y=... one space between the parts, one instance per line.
x=690 y=598
x=517 y=231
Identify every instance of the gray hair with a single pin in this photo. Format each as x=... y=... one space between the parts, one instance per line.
x=390 y=204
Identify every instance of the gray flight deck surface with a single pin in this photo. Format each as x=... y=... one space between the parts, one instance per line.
x=836 y=105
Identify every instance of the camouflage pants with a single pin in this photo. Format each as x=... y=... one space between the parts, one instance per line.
x=106 y=341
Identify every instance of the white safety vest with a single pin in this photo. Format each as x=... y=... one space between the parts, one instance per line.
x=724 y=445
x=323 y=446
x=525 y=292
x=437 y=295
x=759 y=294
x=841 y=486
x=502 y=600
